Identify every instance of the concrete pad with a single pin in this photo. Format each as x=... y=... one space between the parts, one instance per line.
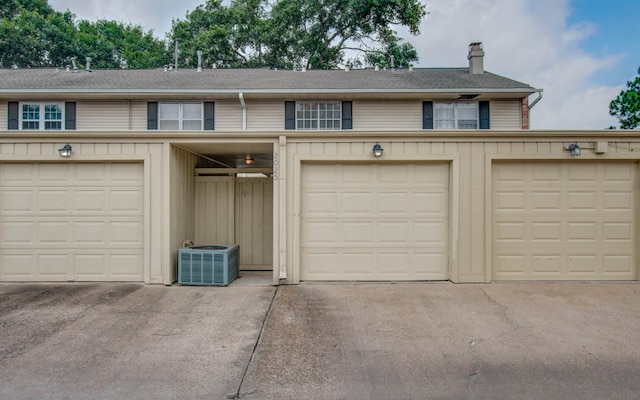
x=446 y=341
x=127 y=341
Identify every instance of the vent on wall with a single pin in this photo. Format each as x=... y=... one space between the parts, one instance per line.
x=208 y=265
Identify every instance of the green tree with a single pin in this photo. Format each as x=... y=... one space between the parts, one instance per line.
x=296 y=33
x=112 y=44
x=321 y=31
x=627 y=105
x=32 y=34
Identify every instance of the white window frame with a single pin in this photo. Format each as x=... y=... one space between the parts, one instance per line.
x=316 y=115
x=41 y=120
x=457 y=118
x=181 y=119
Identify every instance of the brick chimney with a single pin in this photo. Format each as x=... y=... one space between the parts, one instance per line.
x=476 y=57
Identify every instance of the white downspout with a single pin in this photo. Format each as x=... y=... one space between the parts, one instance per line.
x=539 y=91
x=244 y=111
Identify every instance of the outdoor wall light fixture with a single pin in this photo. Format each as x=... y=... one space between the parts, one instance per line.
x=65 y=151
x=377 y=150
x=574 y=149
x=248 y=159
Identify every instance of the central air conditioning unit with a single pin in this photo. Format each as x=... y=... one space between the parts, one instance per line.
x=208 y=265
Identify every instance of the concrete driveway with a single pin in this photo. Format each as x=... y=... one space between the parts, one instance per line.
x=321 y=341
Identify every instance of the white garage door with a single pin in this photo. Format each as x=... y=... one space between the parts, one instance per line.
x=564 y=221
x=71 y=221
x=374 y=221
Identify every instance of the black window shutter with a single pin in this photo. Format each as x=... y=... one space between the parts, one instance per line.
x=289 y=115
x=70 y=115
x=152 y=115
x=427 y=115
x=347 y=117
x=13 y=122
x=209 y=116
x=484 y=115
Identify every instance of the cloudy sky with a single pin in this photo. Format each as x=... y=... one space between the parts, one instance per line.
x=581 y=52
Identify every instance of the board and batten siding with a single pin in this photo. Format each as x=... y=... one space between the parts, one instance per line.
x=387 y=115
x=506 y=114
x=470 y=172
x=182 y=211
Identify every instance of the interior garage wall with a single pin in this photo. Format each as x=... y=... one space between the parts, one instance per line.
x=471 y=181
x=182 y=200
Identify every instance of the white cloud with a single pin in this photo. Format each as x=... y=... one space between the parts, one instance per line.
x=529 y=41
x=151 y=14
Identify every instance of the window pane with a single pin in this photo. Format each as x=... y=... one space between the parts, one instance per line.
x=467 y=124
x=467 y=111
x=444 y=124
x=31 y=112
x=28 y=125
x=192 y=125
x=52 y=112
x=169 y=111
x=169 y=125
x=52 y=125
x=192 y=111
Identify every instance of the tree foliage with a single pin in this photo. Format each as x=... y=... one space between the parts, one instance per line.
x=32 y=34
x=298 y=33
x=319 y=34
x=627 y=105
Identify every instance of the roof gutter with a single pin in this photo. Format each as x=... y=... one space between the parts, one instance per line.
x=244 y=111
x=539 y=91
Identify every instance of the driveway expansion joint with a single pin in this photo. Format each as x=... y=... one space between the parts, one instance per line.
x=477 y=371
x=237 y=395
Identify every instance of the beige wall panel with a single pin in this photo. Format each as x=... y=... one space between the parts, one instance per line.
x=182 y=201
x=266 y=116
x=254 y=222
x=228 y=116
x=506 y=114
x=214 y=210
x=100 y=116
x=392 y=115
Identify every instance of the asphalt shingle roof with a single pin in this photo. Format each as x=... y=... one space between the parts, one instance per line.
x=259 y=80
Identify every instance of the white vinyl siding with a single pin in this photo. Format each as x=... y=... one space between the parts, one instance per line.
x=564 y=220
x=229 y=115
x=3 y=115
x=395 y=115
x=506 y=114
x=263 y=116
x=103 y=115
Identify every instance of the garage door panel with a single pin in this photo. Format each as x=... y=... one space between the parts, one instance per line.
x=356 y=233
x=386 y=221
x=71 y=221
x=573 y=231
